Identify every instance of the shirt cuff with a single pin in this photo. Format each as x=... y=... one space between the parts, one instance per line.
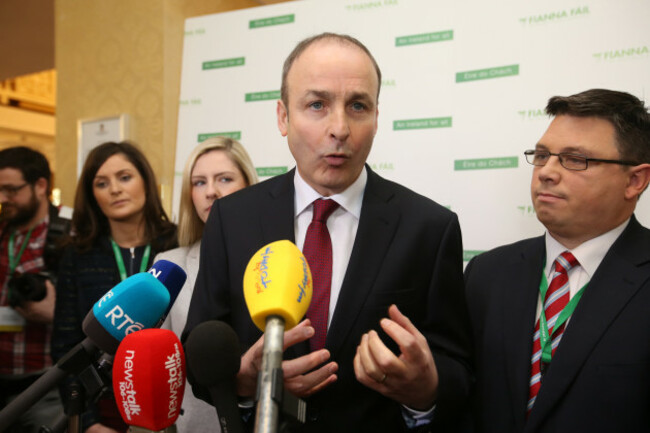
x=416 y=418
x=246 y=403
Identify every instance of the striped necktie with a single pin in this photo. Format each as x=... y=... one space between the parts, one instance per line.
x=557 y=297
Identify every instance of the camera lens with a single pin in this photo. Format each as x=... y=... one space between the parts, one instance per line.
x=26 y=288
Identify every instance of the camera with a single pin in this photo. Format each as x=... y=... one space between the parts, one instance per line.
x=27 y=288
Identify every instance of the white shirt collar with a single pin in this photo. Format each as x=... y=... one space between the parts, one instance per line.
x=350 y=199
x=589 y=253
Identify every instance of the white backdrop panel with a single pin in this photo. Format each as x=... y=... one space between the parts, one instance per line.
x=470 y=158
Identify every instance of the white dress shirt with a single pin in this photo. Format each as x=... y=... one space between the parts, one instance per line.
x=589 y=254
x=342 y=226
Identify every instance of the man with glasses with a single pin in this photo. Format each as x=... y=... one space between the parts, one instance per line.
x=28 y=225
x=561 y=322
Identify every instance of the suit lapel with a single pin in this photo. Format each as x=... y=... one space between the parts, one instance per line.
x=377 y=225
x=277 y=220
x=617 y=279
x=520 y=293
x=277 y=223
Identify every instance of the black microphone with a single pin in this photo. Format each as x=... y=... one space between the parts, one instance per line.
x=213 y=358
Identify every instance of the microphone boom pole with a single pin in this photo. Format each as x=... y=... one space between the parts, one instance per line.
x=270 y=382
x=74 y=361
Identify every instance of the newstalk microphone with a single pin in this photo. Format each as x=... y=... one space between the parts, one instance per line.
x=136 y=303
x=213 y=359
x=149 y=380
x=277 y=290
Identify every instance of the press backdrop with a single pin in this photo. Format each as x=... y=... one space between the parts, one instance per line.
x=463 y=91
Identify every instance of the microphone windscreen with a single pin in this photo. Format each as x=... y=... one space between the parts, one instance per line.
x=149 y=378
x=134 y=304
x=213 y=353
x=277 y=281
x=171 y=276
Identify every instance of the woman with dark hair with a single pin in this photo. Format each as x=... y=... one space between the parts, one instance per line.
x=118 y=227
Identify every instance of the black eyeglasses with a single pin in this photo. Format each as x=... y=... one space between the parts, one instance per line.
x=11 y=190
x=570 y=161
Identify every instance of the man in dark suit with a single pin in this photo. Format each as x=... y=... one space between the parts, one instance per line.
x=390 y=248
x=583 y=367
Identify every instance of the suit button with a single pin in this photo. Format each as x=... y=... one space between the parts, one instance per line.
x=312 y=414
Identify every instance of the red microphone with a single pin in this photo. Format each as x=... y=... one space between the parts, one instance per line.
x=149 y=380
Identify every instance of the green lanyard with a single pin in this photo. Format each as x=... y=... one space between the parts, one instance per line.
x=14 y=260
x=120 y=261
x=545 y=339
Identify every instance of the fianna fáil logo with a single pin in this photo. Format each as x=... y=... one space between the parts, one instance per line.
x=623 y=54
x=555 y=16
x=190 y=102
x=532 y=114
x=199 y=31
x=368 y=5
x=527 y=210
x=382 y=166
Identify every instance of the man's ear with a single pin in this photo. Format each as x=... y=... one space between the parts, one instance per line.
x=639 y=177
x=283 y=118
x=40 y=187
x=376 y=121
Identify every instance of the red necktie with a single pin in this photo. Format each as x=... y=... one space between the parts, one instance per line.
x=557 y=297
x=318 y=252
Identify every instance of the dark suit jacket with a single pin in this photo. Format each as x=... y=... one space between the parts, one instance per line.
x=598 y=380
x=407 y=251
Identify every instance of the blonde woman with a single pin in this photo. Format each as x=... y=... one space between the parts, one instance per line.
x=216 y=167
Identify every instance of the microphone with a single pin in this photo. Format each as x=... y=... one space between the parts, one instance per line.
x=149 y=380
x=213 y=358
x=135 y=303
x=173 y=278
x=277 y=290
x=111 y=318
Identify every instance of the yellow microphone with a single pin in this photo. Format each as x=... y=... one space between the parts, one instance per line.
x=277 y=290
x=277 y=282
